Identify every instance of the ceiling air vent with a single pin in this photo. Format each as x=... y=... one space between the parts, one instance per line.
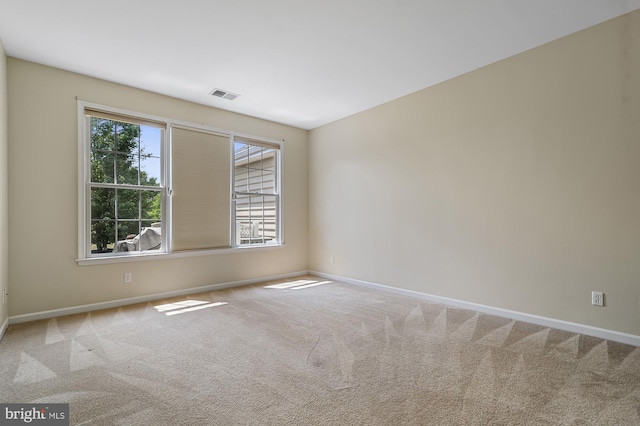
x=224 y=94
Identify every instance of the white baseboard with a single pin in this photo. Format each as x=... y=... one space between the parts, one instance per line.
x=3 y=328
x=141 y=299
x=602 y=333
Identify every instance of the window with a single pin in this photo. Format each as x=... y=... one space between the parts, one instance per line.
x=125 y=183
x=201 y=189
x=155 y=186
x=256 y=192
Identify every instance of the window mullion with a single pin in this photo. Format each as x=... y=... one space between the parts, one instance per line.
x=117 y=207
x=126 y=186
x=139 y=211
x=250 y=218
x=262 y=235
x=115 y=153
x=139 y=171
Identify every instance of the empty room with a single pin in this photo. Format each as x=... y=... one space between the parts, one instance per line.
x=359 y=213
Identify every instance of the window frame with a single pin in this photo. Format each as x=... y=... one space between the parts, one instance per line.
x=85 y=257
x=277 y=194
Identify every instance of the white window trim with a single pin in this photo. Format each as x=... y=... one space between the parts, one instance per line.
x=84 y=221
x=279 y=172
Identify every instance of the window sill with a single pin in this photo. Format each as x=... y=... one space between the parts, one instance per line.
x=167 y=256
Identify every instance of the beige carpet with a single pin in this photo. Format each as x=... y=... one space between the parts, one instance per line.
x=315 y=352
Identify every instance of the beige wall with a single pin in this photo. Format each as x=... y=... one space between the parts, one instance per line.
x=4 y=196
x=43 y=196
x=514 y=186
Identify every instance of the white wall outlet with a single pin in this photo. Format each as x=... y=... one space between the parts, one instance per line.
x=128 y=277
x=597 y=298
x=332 y=260
x=5 y=295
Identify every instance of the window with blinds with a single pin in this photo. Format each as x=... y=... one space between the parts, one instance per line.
x=201 y=190
x=151 y=185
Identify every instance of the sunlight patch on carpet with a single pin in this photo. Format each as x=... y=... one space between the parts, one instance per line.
x=190 y=305
x=298 y=284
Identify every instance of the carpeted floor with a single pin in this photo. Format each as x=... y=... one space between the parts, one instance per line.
x=312 y=352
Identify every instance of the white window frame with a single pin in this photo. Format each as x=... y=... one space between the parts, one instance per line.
x=85 y=257
x=279 y=235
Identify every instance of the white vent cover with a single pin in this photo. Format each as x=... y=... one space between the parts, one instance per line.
x=224 y=94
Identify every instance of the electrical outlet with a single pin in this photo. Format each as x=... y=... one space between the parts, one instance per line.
x=128 y=277
x=5 y=295
x=332 y=260
x=597 y=298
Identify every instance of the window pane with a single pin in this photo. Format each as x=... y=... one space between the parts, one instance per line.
x=151 y=202
x=255 y=180
x=255 y=169
x=256 y=157
x=138 y=236
x=241 y=171
x=128 y=230
x=150 y=154
x=240 y=153
x=241 y=179
x=127 y=169
x=128 y=204
x=268 y=182
x=127 y=236
x=269 y=159
x=269 y=218
x=101 y=131
x=151 y=236
x=150 y=171
x=127 y=137
x=150 y=141
x=102 y=167
x=254 y=215
x=103 y=236
x=103 y=203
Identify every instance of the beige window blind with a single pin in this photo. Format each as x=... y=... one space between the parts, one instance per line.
x=123 y=118
x=201 y=214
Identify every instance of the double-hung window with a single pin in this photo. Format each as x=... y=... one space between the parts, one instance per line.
x=151 y=185
x=256 y=191
x=124 y=183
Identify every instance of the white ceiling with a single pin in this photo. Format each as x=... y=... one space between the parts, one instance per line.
x=298 y=62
